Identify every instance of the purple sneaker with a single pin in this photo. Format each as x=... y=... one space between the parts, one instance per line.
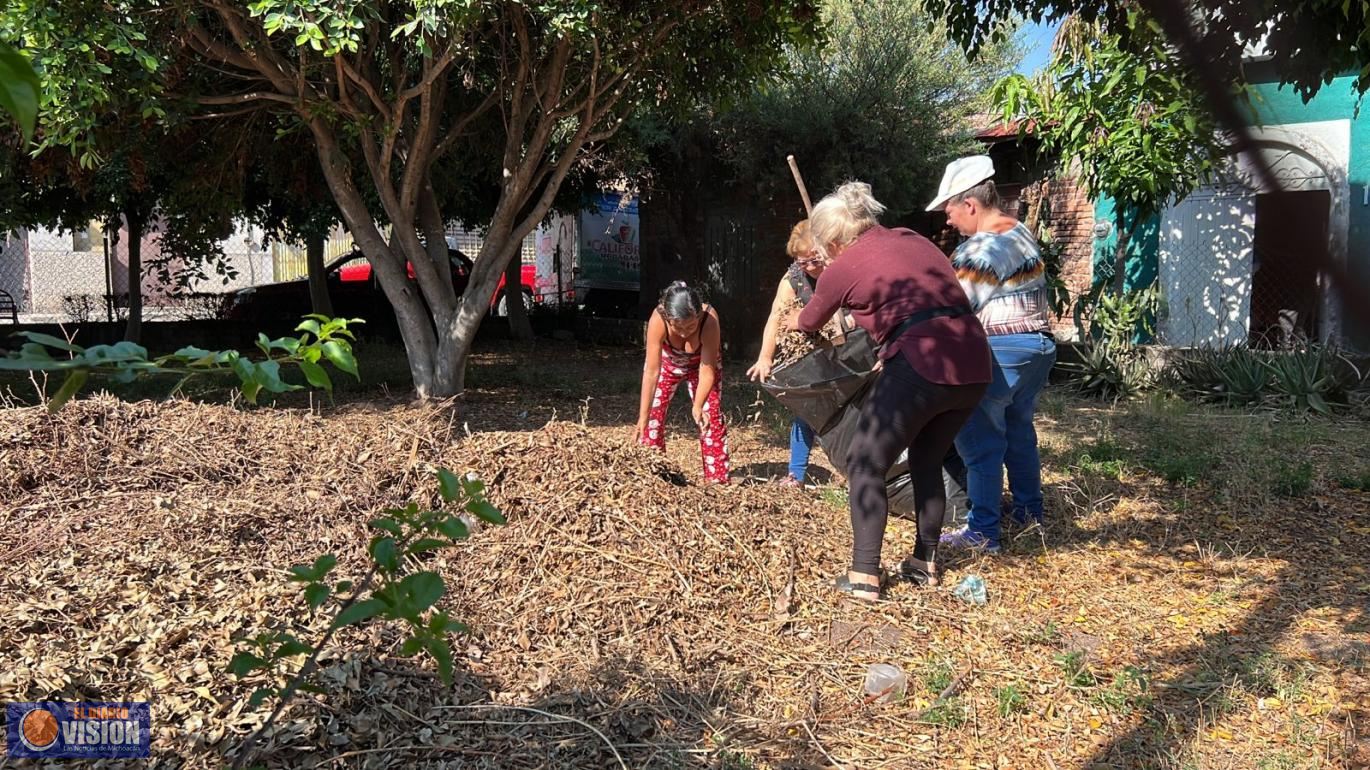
x=965 y=537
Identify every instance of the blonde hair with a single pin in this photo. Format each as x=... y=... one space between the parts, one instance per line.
x=844 y=214
x=801 y=241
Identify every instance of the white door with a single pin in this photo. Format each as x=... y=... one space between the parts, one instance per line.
x=1205 y=268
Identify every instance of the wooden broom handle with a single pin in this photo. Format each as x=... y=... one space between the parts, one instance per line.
x=799 y=182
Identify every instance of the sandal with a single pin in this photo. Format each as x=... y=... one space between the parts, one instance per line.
x=862 y=591
x=919 y=572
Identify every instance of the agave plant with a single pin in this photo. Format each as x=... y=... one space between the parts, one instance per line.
x=1243 y=375
x=1111 y=369
x=1311 y=379
x=1193 y=374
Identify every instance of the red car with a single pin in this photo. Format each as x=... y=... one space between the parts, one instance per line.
x=354 y=294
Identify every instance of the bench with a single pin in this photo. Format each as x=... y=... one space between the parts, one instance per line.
x=8 y=305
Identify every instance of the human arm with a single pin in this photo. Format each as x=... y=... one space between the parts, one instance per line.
x=710 y=342
x=651 y=369
x=761 y=370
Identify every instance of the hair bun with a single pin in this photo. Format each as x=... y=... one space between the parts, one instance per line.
x=857 y=197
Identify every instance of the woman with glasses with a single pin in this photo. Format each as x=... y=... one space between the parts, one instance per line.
x=796 y=286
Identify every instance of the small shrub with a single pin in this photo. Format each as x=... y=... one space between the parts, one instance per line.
x=1356 y=480
x=81 y=308
x=1075 y=668
x=1311 y=379
x=1010 y=699
x=1128 y=692
x=1044 y=634
x=1103 y=458
x=938 y=675
x=1110 y=369
x=950 y=713
x=1178 y=464
x=1292 y=480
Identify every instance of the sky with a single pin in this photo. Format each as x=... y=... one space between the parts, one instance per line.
x=1037 y=42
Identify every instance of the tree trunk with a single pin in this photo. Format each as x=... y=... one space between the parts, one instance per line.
x=1125 y=233
x=133 y=331
x=318 y=281
x=519 y=327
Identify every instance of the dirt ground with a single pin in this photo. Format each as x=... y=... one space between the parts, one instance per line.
x=1199 y=597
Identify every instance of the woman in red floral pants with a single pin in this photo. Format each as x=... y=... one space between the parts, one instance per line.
x=683 y=344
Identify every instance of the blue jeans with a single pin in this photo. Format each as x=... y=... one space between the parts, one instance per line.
x=801 y=445
x=1000 y=433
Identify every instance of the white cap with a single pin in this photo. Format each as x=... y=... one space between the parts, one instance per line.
x=961 y=175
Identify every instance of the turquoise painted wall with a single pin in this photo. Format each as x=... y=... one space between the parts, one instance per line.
x=1142 y=267
x=1273 y=105
x=1337 y=100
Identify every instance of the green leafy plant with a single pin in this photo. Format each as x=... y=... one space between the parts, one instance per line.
x=1292 y=480
x=19 y=88
x=1112 y=365
x=1010 y=700
x=1122 y=114
x=938 y=674
x=1242 y=376
x=1076 y=669
x=950 y=713
x=1127 y=692
x=323 y=339
x=1357 y=480
x=389 y=590
x=1103 y=458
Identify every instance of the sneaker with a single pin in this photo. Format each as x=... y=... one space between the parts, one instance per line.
x=1023 y=520
x=965 y=537
x=791 y=482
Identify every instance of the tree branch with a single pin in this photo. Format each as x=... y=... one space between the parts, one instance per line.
x=458 y=129
x=268 y=63
x=251 y=96
x=368 y=88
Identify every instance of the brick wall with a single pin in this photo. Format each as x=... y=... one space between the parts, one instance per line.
x=1071 y=219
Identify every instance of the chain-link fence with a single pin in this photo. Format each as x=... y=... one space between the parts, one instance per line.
x=54 y=276
x=80 y=276
x=1233 y=268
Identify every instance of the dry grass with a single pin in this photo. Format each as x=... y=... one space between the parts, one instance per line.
x=1197 y=600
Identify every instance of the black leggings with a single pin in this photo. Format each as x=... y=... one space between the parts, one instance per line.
x=903 y=411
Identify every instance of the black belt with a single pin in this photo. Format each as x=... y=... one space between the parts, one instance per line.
x=946 y=311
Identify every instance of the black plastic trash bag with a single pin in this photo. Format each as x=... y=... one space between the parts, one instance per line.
x=827 y=389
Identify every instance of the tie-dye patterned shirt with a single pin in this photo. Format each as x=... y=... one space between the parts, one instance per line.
x=1005 y=280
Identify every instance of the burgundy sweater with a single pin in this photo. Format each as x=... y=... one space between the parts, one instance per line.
x=884 y=277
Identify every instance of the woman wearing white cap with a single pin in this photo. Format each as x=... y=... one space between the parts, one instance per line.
x=1001 y=269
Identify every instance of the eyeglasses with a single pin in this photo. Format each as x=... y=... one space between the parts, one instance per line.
x=810 y=262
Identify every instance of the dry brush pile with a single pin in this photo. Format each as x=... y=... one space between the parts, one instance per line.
x=626 y=616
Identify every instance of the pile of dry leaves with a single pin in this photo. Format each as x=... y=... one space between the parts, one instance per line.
x=792 y=344
x=627 y=616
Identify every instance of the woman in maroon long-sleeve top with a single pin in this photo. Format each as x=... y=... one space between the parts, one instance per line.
x=935 y=364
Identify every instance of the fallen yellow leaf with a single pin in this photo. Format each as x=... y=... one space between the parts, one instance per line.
x=1095 y=723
